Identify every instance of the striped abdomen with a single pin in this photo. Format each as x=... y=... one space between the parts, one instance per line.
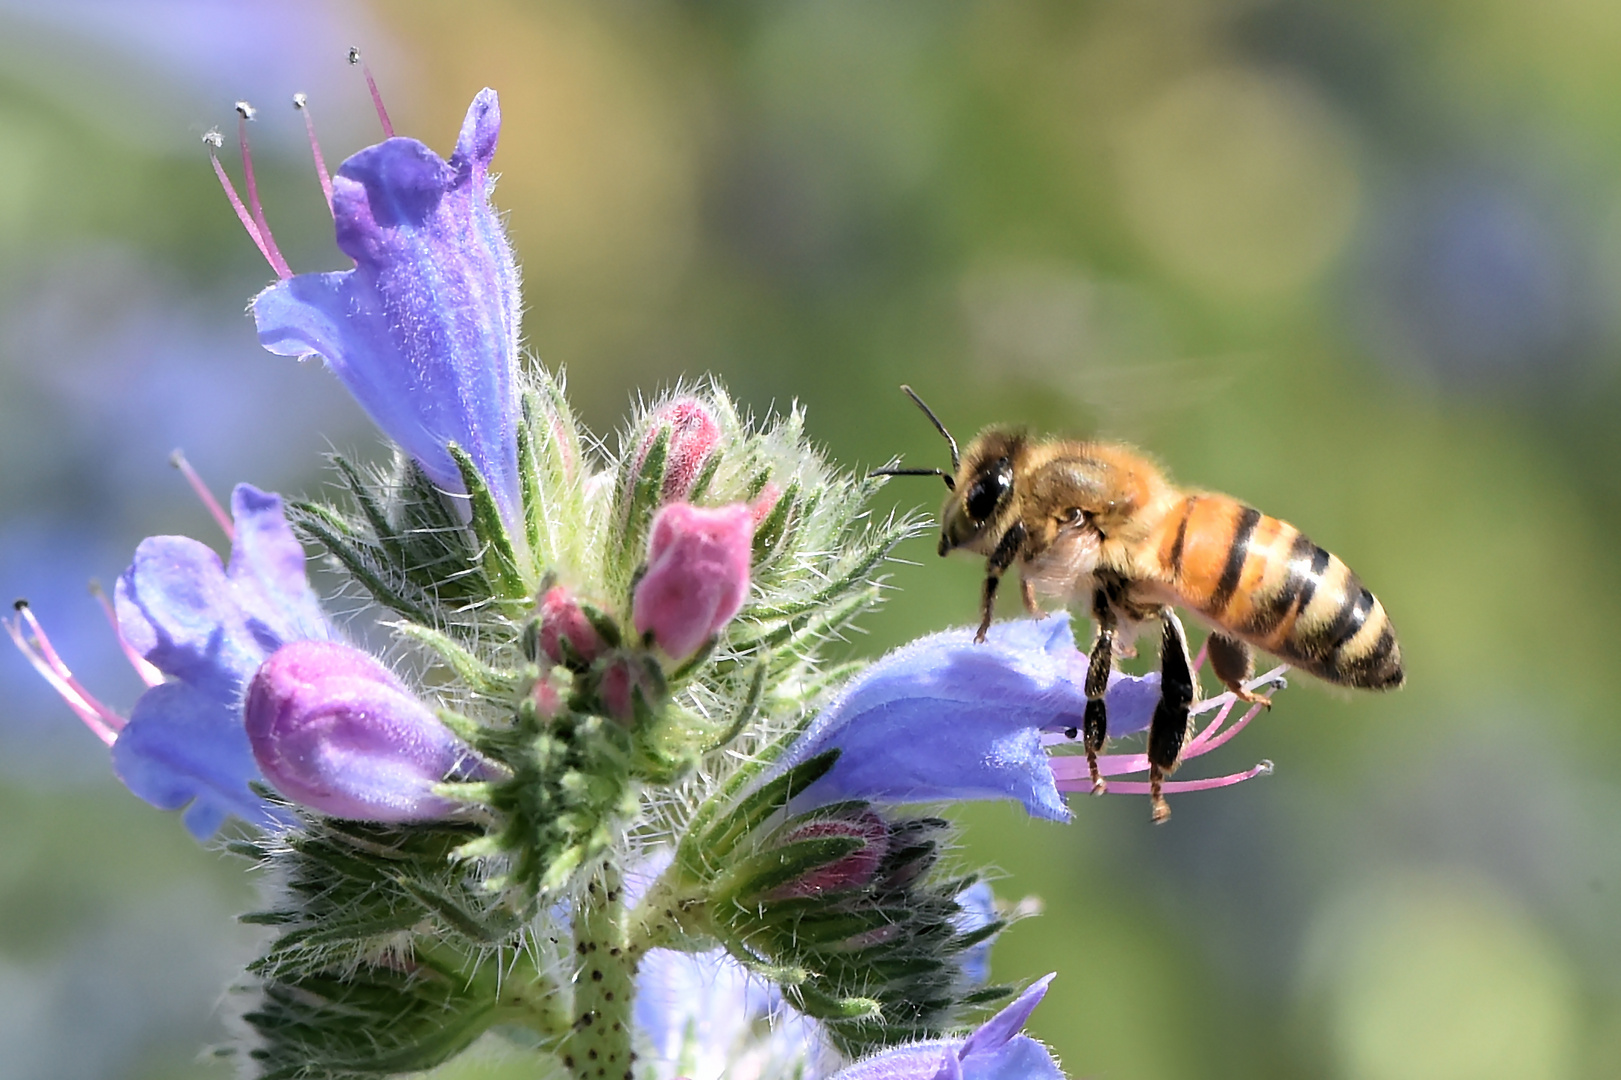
x=1262 y=580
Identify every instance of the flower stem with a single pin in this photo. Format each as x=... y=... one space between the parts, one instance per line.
x=599 y=1048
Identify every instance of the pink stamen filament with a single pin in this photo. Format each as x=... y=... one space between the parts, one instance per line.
x=273 y=253
x=301 y=103
x=376 y=98
x=242 y=214
x=1172 y=787
x=1072 y=773
x=178 y=460
x=36 y=647
x=147 y=670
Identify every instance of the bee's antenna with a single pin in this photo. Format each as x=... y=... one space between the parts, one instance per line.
x=938 y=426
x=895 y=470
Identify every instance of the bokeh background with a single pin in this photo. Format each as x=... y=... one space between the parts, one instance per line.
x=1356 y=261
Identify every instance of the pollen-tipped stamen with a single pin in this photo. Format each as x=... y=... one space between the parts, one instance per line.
x=376 y=98
x=214 y=141
x=178 y=460
x=37 y=648
x=147 y=670
x=301 y=102
x=244 y=113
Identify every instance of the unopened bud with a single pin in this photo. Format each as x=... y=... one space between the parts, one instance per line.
x=622 y=681
x=697 y=575
x=566 y=634
x=332 y=729
x=693 y=437
x=852 y=871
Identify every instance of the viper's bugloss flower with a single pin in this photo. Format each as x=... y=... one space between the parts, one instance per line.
x=196 y=632
x=945 y=719
x=697 y=575
x=693 y=435
x=424 y=330
x=997 y=1050
x=336 y=731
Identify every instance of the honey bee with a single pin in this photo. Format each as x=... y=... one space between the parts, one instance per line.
x=1098 y=524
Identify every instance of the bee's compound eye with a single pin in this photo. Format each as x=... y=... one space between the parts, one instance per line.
x=990 y=486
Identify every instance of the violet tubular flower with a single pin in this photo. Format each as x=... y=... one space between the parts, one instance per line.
x=196 y=631
x=336 y=731
x=424 y=330
x=947 y=719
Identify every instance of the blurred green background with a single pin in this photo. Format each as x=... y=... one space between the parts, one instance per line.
x=1355 y=261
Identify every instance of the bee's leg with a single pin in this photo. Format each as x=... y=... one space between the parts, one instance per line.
x=1006 y=552
x=1098 y=666
x=1234 y=665
x=1028 y=592
x=1168 y=731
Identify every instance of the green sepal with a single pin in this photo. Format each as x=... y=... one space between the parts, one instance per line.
x=770 y=531
x=639 y=492
x=325 y=527
x=499 y=559
x=757 y=806
x=480 y=677
x=814 y=1002
x=747 y=880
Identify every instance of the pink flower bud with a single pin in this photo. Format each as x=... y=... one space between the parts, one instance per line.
x=697 y=575
x=764 y=503
x=334 y=730
x=620 y=681
x=853 y=870
x=694 y=434
x=562 y=620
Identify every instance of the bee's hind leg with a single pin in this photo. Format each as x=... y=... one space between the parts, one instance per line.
x=1234 y=664
x=1099 y=663
x=1168 y=731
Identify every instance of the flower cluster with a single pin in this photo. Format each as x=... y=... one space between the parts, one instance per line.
x=629 y=807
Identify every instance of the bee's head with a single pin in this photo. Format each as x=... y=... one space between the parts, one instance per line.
x=982 y=488
x=981 y=494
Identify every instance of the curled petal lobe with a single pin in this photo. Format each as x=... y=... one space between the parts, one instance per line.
x=697 y=575
x=424 y=330
x=334 y=730
x=944 y=718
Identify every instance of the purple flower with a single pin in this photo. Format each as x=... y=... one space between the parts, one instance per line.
x=697 y=575
x=995 y=1051
x=334 y=730
x=424 y=330
x=195 y=631
x=944 y=718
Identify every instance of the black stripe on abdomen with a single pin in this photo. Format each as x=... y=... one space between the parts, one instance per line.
x=1299 y=579
x=1236 y=556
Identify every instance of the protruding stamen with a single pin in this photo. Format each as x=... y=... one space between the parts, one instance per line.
x=1208 y=739
x=246 y=112
x=147 y=670
x=1173 y=787
x=302 y=104
x=36 y=647
x=214 y=141
x=178 y=460
x=371 y=84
